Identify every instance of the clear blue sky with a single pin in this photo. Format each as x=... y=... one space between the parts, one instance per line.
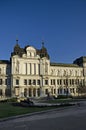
x=61 y=24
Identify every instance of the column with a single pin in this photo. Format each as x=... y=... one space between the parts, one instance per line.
x=22 y=92
x=3 y=92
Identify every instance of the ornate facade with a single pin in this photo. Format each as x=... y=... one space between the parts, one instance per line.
x=30 y=73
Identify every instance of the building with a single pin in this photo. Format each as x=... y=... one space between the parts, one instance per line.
x=30 y=73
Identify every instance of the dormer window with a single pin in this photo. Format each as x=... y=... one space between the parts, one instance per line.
x=30 y=51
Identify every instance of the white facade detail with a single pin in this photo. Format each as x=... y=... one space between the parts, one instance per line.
x=30 y=73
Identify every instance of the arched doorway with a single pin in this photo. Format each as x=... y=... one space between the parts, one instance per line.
x=30 y=92
x=38 y=92
x=0 y=92
x=34 y=92
x=25 y=92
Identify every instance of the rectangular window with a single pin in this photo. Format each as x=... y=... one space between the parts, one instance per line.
x=8 y=81
x=17 y=81
x=5 y=81
x=72 y=81
x=46 y=82
x=34 y=82
x=58 y=81
x=64 y=91
x=64 y=82
x=39 y=69
x=51 y=82
x=34 y=68
x=25 y=81
x=38 y=82
x=30 y=69
x=0 y=81
x=46 y=91
x=29 y=81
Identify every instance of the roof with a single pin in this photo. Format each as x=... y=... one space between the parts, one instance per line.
x=63 y=64
x=4 y=62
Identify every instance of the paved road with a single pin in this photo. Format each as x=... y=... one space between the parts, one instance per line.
x=67 y=119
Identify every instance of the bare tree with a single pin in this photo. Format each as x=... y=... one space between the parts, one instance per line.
x=81 y=89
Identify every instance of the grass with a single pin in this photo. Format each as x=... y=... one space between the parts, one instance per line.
x=8 y=110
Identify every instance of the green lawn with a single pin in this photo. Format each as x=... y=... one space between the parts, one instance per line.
x=7 y=110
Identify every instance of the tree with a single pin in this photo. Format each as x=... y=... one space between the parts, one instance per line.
x=81 y=89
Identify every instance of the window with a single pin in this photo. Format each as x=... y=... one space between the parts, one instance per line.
x=34 y=68
x=25 y=68
x=25 y=81
x=29 y=81
x=39 y=69
x=64 y=91
x=8 y=81
x=46 y=91
x=0 y=81
x=64 y=82
x=0 y=70
x=52 y=81
x=38 y=82
x=60 y=91
x=72 y=81
x=34 y=82
x=46 y=82
x=58 y=81
x=30 y=68
x=5 y=81
x=17 y=81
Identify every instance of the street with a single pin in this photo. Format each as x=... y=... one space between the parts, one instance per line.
x=72 y=118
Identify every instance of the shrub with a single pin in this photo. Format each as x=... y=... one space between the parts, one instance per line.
x=64 y=96
x=12 y=100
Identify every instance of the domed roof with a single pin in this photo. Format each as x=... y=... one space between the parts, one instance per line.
x=43 y=49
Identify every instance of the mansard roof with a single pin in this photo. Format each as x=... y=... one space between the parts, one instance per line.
x=80 y=60
x=4 y=62
x=63 y=65
x=18 y=50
